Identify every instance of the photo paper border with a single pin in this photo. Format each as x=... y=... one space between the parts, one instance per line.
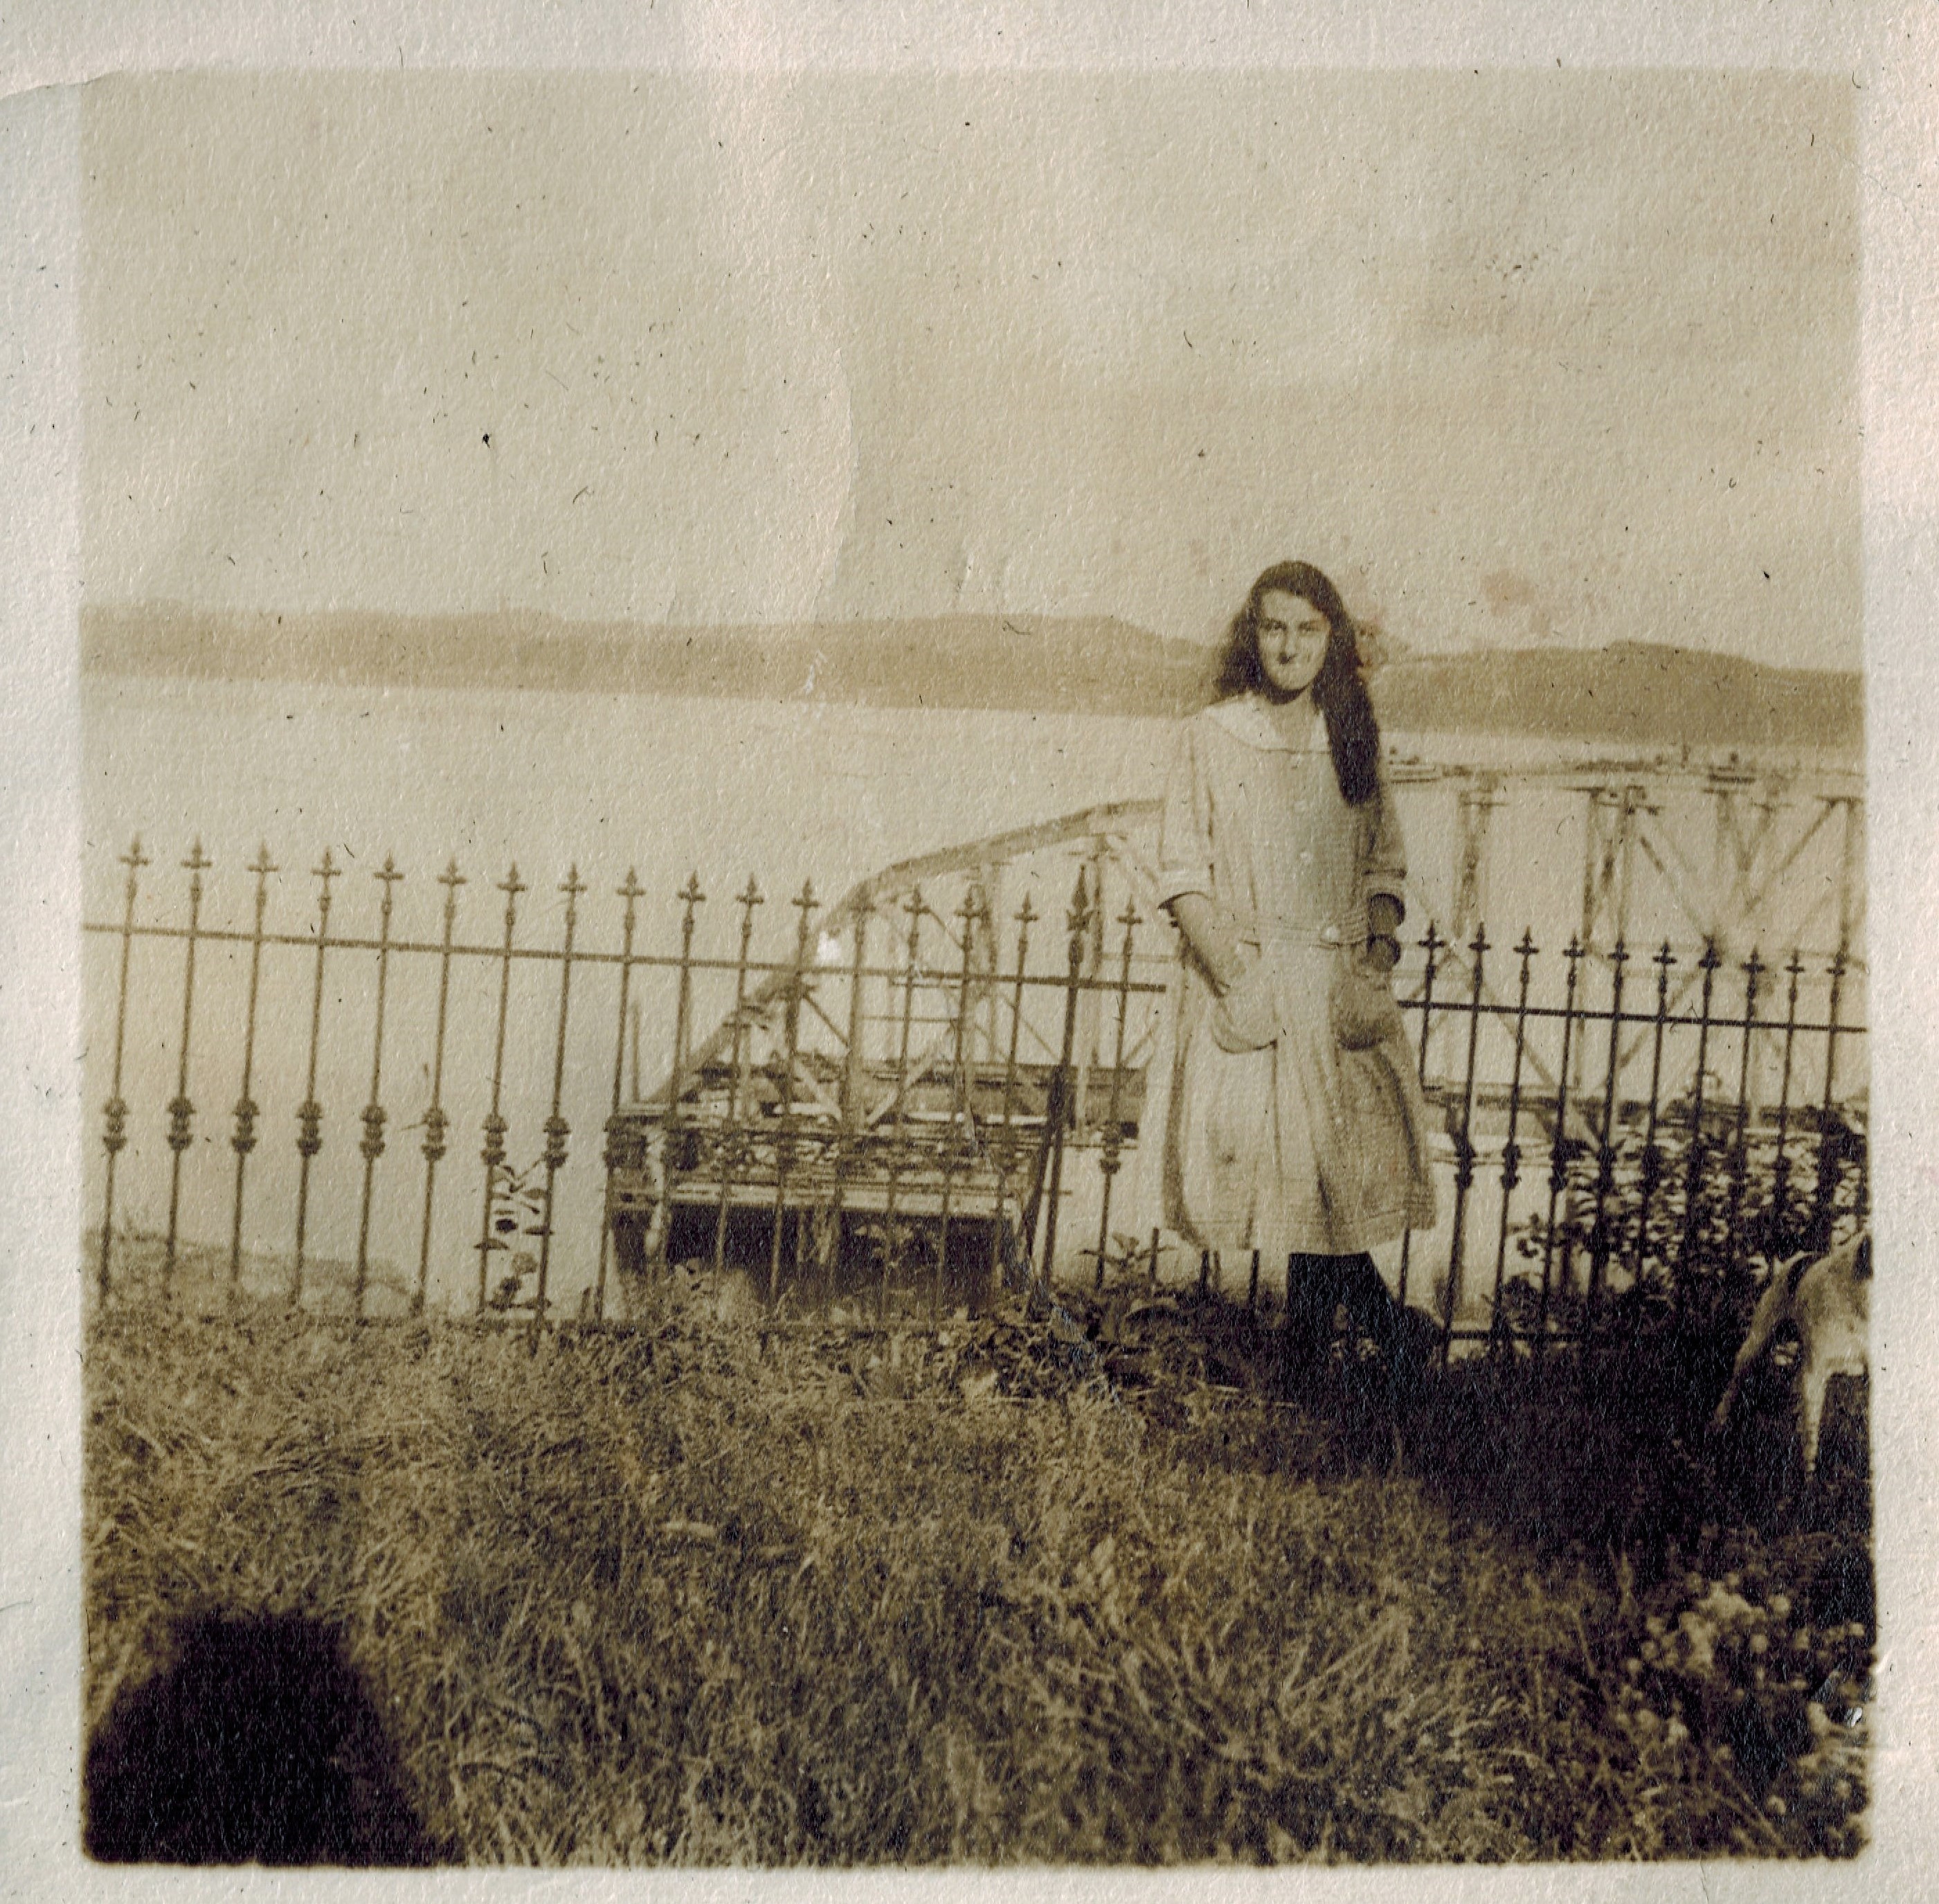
x=1893 y=59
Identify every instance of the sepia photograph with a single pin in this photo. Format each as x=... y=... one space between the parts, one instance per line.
x=973 y=968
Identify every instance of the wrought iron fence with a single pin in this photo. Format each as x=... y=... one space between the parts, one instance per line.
x=899 y=1099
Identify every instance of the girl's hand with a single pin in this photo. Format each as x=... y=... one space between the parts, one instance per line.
x=1384 y=916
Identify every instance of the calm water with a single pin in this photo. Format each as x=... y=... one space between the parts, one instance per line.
x=726 y=788
x=785 y=791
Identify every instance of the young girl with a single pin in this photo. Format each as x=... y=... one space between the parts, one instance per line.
x=1290 y=1116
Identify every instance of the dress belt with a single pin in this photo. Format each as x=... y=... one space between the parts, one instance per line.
x=1291 y=932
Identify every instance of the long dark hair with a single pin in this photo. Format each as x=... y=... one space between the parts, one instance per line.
x=1338 y=692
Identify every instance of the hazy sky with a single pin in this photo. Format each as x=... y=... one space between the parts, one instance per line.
x=1519 y=356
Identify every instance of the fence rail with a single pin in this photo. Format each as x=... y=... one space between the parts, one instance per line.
x=900 y=1097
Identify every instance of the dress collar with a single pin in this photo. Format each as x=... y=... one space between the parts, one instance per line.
x=1247 y=719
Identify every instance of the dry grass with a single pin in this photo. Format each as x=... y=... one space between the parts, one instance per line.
x=691 y=1595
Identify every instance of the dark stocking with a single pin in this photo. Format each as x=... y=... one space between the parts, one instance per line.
x=1317 y=1286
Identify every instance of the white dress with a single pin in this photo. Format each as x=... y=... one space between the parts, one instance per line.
x=1297 y=1144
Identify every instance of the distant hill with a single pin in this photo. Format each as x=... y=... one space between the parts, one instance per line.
x=1063 y=664
x=1636 y=693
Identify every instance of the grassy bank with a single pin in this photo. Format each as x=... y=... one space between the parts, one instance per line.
x=686 y=1594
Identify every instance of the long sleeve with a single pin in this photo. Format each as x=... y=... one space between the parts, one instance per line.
x=1384 y=852
x=1185 y=825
